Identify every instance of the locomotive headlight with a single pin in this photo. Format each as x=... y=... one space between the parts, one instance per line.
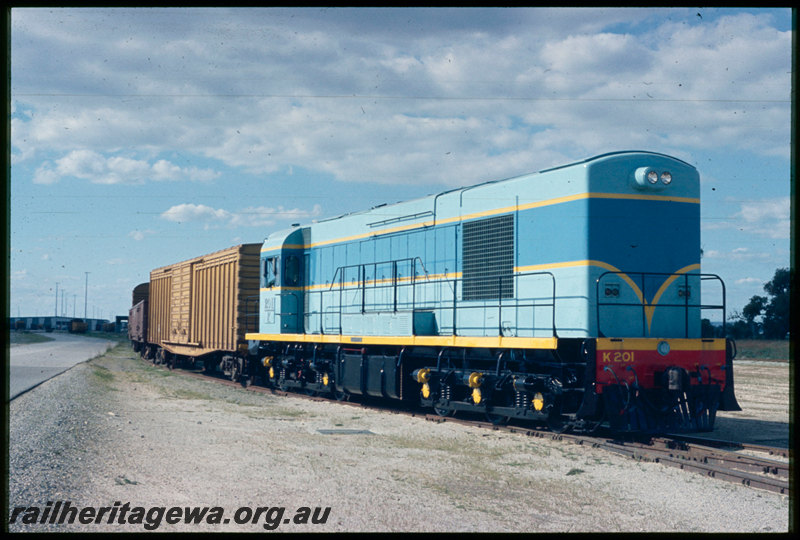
x=666 y=178
x=645 y=177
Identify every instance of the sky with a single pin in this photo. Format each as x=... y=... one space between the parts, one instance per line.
x=143 y=137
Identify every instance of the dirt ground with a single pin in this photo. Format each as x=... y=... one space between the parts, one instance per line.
x=117 y=431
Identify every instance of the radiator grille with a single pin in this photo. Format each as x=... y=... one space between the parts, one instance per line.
x=488 y=251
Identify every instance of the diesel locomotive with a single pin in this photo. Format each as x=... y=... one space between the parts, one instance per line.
x=572 y=297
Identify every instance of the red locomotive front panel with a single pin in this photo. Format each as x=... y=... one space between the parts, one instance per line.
x=654 y=384
x=645 y=362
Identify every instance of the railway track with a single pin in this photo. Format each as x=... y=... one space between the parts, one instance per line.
x=731 y=461
x=713 y=461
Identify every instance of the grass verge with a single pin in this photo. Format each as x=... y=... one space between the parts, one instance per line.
x=763 y=349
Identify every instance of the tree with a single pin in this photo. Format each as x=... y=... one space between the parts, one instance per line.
x=773 y=310
x=738 y=327
x=776 y=313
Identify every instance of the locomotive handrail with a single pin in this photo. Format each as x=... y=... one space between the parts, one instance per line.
x=359 y=303
x=251 y=313
x=341 y=269
x=644 y=303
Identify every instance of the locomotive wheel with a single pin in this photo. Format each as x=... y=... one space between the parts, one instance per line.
x=444 y=411
x=497 y=419
x=558 y=423
x=588 y=426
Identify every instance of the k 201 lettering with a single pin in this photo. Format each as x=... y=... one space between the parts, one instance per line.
x=619 y=356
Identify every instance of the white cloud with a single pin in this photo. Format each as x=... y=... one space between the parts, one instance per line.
x=748 y=280
x=164 y=170
x=140 y=235
x=98 y=169
x=738 y=254
x=195 y=212
x=746 y=254
x=499 y=100
x=769 y=218
x=248 y=217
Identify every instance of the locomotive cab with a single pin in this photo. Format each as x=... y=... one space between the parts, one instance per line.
x=281 y=295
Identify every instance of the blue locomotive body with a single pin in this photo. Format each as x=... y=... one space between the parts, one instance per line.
x=551 y=296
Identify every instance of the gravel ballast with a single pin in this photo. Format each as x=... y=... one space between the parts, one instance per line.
x=117 y=431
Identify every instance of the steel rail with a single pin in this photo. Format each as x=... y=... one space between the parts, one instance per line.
x=675 y=451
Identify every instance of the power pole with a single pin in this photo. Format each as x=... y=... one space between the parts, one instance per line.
x=56 y=310
x=85 y=294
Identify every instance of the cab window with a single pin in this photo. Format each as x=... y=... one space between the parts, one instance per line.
x=270 y=274
x=292 y=271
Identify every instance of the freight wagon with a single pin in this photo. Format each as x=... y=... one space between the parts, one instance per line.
x=137 y=317
x=141 y=292
x=199 y=310
x=78 y=326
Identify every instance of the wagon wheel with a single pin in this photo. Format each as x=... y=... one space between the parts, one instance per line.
x=236 y=370
x=341 y=395
x=282 y=386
